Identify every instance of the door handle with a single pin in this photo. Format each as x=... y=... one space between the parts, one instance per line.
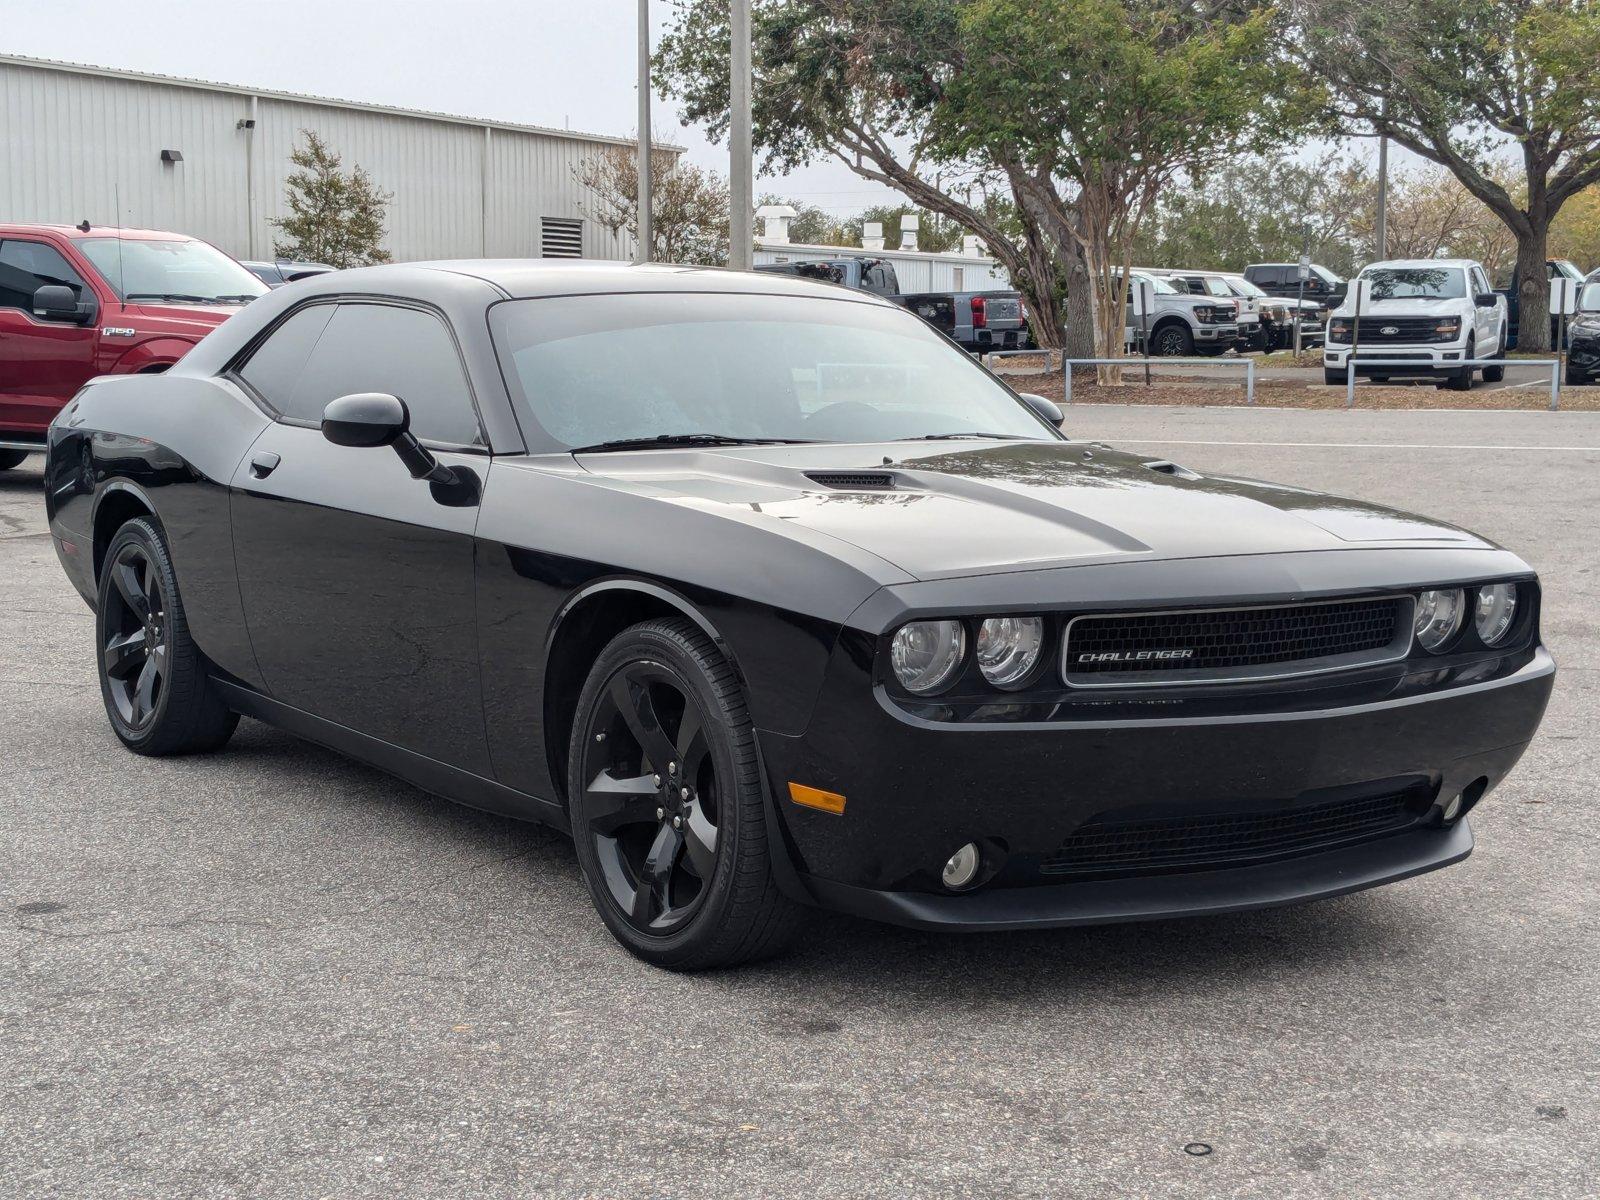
x=264 y=463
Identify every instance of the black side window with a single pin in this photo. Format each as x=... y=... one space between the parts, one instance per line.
x=1268 y=277
x=25 y=267
x=384 y=348
x=274 y=369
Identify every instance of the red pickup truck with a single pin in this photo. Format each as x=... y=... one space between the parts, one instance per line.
x=76 y=302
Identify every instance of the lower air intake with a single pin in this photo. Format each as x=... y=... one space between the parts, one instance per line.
x=1204 y=842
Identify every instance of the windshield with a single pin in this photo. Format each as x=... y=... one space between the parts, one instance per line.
x=1417 y=283
x=596 y=369
x=1243 y=287
x=1326 y=275
x=1589 y=298
x=1160 y=286
x=182 y=271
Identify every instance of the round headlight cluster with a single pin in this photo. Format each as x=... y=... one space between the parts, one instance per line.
x=1009 y=648
x=927 y=654
x=1439 y=612
x=1495 y=611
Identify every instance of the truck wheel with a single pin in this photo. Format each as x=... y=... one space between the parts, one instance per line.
x=1461 y=381
x=1172 y=341
x=1333 y=378
x=1497 y=374
x=11 y=458
x=1575 y=377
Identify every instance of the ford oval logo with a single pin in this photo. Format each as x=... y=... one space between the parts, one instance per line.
x=1389 y=330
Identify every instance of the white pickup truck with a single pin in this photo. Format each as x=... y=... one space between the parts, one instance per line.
x=1435 y=313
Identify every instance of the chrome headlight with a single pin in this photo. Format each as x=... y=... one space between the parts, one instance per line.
x=1009 y=649
x=927 y=654
x=1495 y=611
x=1439 y=613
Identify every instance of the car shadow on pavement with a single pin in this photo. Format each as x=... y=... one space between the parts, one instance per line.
x=838 y=956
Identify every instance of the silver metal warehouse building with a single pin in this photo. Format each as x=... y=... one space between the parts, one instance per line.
x=210 y=160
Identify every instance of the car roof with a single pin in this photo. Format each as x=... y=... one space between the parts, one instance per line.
x=529 y=278
x=98 y=231
x=1421 y=264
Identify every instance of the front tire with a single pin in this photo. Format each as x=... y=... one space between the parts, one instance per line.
x=1333 y=378
x=1172 y=341
x=1461 y=381
x=668 y=804
x=11 y=458
x=152 y=676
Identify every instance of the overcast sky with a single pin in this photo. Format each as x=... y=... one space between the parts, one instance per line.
x=543 y=62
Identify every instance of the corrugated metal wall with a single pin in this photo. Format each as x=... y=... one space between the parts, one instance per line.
x=80 y=144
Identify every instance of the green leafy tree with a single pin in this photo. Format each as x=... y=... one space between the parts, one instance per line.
x=1107 y=103
x=858 y=81
x=334 y=217
x=689 y=204
x=1460 y=82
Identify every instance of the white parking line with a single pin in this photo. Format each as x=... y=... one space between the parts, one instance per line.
x=1340 y=445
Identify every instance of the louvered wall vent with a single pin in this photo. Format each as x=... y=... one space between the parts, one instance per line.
x=854 y=481
x=560 y=237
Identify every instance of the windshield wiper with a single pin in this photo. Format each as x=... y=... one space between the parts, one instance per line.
x=951 y=437
x=172 y=297
x=685 y=439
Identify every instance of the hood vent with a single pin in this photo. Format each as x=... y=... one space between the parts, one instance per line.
x=854 y=481
x=1167 y=467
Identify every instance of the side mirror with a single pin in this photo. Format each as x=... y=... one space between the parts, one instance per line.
x=1045 y=408
x=1484 y=300
x=57 y=302
x=366 y=419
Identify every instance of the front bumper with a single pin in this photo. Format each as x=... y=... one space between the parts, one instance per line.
x=1215 y=333
x=916 y=789
x=1583 y=353
x=1419 y=359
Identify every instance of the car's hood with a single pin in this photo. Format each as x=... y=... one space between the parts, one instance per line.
x=201 y=318
x=962 y=508
x=1406 y=308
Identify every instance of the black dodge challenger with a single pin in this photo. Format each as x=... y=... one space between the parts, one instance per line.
x=774 y=598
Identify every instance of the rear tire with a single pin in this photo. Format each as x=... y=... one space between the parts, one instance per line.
x=153 y=679
x=11 y=458
x=676 y=853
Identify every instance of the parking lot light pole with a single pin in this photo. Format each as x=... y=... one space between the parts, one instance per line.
x=646 y=238
x=741 y=166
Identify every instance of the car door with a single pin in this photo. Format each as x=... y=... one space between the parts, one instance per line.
x=42 y=362
x=1486 y=319
x=356 y=579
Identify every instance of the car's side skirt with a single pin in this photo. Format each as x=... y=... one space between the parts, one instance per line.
x=420 y=771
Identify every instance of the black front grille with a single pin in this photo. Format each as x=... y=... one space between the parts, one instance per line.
x=1202 y=644
x=1410 y=331
x=1230 y=839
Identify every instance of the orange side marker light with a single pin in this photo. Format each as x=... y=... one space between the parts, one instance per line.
x=809 y=797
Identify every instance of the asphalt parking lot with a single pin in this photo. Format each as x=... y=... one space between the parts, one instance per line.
x=272 y=972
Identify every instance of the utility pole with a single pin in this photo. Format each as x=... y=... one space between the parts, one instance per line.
x=1381 y=233
x=641 y=253
x=741 y=168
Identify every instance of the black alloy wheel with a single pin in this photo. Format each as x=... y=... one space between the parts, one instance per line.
x=1173 y=341
x=152 y=676
x=133 y=637
x=652 y=800
x=668 y=806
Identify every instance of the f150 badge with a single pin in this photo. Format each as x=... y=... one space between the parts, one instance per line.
x=117 y=331
x=1132 y=656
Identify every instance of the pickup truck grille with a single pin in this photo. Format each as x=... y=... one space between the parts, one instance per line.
x=1213 y=840
x=1234 y=644
x=1375 y=331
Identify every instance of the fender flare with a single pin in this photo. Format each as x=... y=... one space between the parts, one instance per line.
x=157 y=352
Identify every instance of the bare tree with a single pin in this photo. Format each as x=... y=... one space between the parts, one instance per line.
x=689 y=218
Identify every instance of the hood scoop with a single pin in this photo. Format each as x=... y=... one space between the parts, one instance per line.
x=1167 y=467
x=854 y=481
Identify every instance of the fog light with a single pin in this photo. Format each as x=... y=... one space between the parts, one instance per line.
x=962 y=868
x=1452 y=809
